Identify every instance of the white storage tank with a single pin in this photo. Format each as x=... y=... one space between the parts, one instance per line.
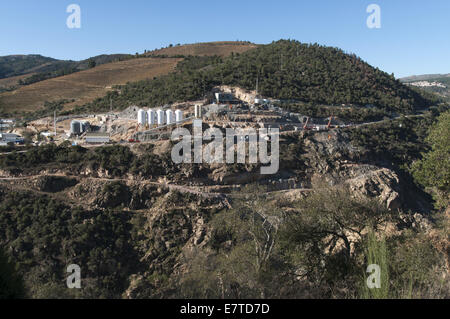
x=178 y=116
x=142 y=117
x=160 y=117
x=151 y=117
x=170 y=117
x=198 y=111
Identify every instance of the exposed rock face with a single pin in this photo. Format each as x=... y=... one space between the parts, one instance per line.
x=241 y=94
x=382 y=183
x=332 y=159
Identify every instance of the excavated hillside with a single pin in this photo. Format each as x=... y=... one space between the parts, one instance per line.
x=162 y=223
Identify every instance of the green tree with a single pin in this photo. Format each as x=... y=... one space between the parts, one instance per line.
x=433 y=171
x=11 y=284
x=92 y=63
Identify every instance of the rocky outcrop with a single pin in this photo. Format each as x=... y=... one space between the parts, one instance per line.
x=241 y=94
x=382 y=183
x=332 y=159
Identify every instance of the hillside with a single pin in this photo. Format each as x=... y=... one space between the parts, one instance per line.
x=75 y=82
x=438 y=84
x=83 y=86
x=141 y=229
x=13 y=65
x=223 y=49
x=287 y=70
x=424 y=77
x=17 y=65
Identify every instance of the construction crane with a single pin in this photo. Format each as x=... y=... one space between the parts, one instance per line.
x=329 y=122
x=134 y=138
x=305 y=127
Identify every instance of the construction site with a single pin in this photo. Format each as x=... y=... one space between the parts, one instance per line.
x=142 y=124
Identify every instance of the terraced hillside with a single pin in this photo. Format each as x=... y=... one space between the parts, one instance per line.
x=85 y=86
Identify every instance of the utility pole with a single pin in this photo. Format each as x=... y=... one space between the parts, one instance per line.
x=54 y=122
x=110 y=117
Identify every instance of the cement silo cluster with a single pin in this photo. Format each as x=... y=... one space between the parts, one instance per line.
x=178 y=116
x=79 y=127
x=159 y=117
x=142 y=117
x=151 y=117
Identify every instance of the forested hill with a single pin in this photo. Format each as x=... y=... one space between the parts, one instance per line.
x=286 y=70
x=13 y=65
x=42 y=67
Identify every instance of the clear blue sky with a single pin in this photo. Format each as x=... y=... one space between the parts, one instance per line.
x=414 y=37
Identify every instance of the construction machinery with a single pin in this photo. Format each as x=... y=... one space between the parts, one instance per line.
x=329 y=122
x=306 y=127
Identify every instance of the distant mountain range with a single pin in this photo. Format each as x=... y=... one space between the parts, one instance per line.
x=434 y=83
x=424 y=77
x=16 y=65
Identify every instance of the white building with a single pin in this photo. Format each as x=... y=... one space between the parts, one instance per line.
x=6 y=138
x=97 y=138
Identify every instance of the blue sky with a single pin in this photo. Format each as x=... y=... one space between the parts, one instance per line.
x=414 y=37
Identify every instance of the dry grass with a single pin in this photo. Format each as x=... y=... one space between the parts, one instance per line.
x=85 y=86
x=12 y=81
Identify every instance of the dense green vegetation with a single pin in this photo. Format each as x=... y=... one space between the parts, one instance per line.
x=318 y=251
x=433 y=170
x=45 y=236
x=14 y=65
x=408 y=146
x=11 y=284
x=399 y=142
x=347 y=114
x=315 y=249
x=286 y=70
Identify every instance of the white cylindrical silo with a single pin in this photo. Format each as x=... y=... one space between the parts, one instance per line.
x=198 y=111
x=151 y=117
x=178 y=116
x=142 y=117
x=160 y=117
x=169 y=117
